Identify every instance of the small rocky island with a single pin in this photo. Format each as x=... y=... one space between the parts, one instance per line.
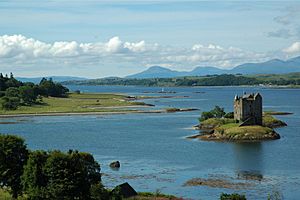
x=246 y=123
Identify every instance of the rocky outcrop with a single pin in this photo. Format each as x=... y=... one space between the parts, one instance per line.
x=238 y=134
x=243 y=137
x=115 y=165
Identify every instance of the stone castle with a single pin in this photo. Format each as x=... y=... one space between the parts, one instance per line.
x=248 y=109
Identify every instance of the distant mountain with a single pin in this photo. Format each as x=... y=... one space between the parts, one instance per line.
x=55 y=78
x=202 y=71
x=161 y=72
x=275 y=66
x=156 y=72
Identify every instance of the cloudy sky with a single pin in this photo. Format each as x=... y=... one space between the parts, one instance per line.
x=117 y=37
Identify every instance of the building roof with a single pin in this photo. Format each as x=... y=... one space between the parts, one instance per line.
x=250 y=96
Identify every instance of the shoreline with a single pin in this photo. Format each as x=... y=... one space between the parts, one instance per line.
x=201 y=86
x=3 y=116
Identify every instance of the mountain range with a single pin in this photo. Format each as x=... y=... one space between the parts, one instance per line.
x=275 y=66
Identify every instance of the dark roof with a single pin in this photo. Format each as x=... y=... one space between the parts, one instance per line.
x=246 y=96
x=250 y=96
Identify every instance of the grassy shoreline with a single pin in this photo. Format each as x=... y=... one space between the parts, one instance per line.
x=85 y=103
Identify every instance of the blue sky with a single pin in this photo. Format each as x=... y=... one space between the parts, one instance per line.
x=115 y=38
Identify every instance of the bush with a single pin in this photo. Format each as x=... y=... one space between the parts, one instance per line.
x=229 y=115
x=205 y=116
x=10 y=103
x=217 y=112
x=233 y=196
x=98 y=192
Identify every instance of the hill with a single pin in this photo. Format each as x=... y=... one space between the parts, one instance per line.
x=156 y=72
x=275 y=66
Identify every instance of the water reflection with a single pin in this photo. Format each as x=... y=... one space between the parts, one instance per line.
x=248 y=160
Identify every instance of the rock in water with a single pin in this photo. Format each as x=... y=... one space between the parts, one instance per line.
x=115 y=164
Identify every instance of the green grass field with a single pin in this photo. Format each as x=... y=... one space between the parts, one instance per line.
x=232 y=130
x=76 y=103
x=215 y=122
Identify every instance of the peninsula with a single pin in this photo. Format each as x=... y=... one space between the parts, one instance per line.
x=49 y=98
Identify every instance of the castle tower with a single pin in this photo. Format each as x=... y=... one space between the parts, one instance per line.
x=248 y=109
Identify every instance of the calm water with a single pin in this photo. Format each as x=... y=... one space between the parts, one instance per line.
x=155 y=155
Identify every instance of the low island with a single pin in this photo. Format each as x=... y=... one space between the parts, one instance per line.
x=246 y=123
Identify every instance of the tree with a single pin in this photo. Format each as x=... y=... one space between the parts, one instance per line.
x=34 y=179
x=71 y=175
x=205 y=116
x=27 y=95
x=13 y=156
x=12 y=82
x=12 y=92
x=58 y=175
x=218 y=112
x=49 y=88
x=10 y=103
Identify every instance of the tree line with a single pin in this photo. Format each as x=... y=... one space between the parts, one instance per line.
x=14 y=93
x=209 y=80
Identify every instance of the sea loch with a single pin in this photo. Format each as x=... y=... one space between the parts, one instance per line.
x=155 y=155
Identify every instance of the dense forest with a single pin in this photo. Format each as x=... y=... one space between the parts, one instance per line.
x=14 y=93
x=209 y=80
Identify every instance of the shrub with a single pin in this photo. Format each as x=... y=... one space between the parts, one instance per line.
x=10 y=103
x=233 y=196
x=205 y=116
x=217 y=112
x=98 y=192
x=229 y=115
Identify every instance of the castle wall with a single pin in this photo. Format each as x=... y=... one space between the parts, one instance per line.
x=238 y=109
x=258 y=110
x=248 y=110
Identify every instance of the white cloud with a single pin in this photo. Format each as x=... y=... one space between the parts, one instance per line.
x=18 y=50
x=136 y=47
x=293 y=49
x=114 y=45
x=65 y=49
